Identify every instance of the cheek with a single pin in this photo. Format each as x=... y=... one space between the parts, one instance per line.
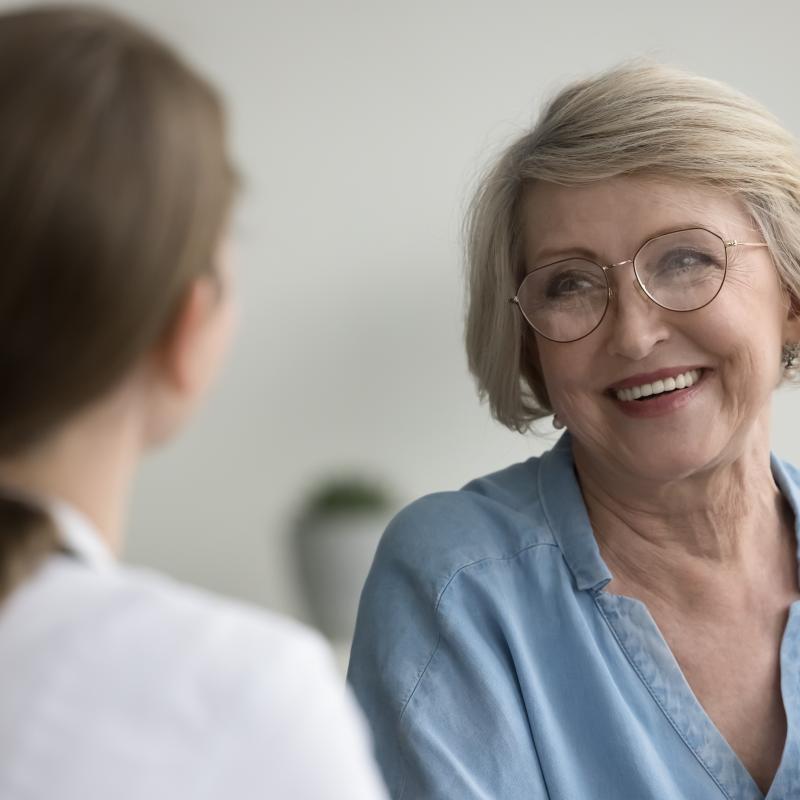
x=752 y=326
x=745 y=343
x=753 y=368
x=544 y=358
x=566 y=370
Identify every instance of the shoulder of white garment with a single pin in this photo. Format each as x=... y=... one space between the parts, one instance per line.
x=184 y=668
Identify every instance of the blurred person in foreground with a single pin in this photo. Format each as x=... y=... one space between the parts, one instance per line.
x=617 y=618
x=115 y=309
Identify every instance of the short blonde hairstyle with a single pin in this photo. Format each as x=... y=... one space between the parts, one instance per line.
x=638 y=118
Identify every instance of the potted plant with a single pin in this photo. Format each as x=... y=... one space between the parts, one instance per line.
x=337 y=532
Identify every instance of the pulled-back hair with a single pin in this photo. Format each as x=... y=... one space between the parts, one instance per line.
x=114 y=189
x=636 y=119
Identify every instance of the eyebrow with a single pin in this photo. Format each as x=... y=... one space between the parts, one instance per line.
x=552 y=255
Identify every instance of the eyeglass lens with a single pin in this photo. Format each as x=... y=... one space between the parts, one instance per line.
x=680 y=271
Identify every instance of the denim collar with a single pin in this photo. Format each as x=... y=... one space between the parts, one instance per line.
x=566 y=514
x=568 y=518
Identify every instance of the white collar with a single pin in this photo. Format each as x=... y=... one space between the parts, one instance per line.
x=79 y=535
x=76 y=532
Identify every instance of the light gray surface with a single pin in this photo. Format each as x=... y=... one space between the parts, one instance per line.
x=359 y=128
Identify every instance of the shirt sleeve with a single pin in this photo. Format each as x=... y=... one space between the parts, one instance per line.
x=432 y=667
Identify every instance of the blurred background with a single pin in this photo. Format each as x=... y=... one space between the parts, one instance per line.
x=360 y=128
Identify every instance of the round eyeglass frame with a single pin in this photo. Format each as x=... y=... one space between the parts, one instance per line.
x=632 y=261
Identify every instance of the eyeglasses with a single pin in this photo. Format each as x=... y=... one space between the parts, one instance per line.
x=680 y=271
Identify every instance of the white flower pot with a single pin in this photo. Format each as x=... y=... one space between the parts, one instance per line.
x=334 y=556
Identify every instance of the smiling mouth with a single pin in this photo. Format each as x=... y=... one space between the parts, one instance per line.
x=646 y=390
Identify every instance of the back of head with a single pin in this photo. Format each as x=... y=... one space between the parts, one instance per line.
x=114 y=189
x=637 y=119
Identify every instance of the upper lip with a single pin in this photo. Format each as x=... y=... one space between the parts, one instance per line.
x=650 y=377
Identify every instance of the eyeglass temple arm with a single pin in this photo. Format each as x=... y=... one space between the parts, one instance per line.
x=735 y=243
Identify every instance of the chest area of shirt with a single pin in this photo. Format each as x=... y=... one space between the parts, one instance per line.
x=733 y=669
x=722 y=688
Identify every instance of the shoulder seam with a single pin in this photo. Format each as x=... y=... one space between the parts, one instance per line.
x=448 y=583
x=469 y=564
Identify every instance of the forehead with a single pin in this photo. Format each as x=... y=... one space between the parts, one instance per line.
x=612 y=217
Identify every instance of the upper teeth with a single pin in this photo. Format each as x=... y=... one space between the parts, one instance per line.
x=682 y=381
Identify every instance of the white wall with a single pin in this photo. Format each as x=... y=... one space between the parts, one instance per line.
x=360 y=128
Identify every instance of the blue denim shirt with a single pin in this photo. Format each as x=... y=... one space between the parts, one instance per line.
x=492 y=664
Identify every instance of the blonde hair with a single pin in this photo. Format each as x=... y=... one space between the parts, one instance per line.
x=638 y=118
x=115 y=185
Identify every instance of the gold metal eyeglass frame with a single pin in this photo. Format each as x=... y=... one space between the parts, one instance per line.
x=606 y=267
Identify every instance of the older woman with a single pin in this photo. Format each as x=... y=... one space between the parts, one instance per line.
x=617 y=618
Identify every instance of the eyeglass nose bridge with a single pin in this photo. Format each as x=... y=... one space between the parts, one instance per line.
x=636 y=282
x=606 y=267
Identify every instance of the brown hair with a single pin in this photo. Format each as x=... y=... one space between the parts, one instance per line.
x=639 y=118
x=114 y=189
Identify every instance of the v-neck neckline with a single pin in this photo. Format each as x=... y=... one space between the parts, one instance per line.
x=655 y=664
x=649 y=654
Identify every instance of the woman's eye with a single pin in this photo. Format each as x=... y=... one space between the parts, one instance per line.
x=571 y=284
x=686 y=261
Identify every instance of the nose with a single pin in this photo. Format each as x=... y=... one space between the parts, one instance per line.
x=635 y=324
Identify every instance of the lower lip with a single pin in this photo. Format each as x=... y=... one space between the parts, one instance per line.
x=664 y=403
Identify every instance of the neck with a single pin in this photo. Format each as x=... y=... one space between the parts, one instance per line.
x=88 y=463
x=677 y=537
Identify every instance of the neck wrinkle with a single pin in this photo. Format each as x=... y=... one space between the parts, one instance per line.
x=733 y=524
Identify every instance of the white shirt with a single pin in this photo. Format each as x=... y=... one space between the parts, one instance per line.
x=118 y=684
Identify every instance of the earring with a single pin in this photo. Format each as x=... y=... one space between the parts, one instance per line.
x=557 y=423
x=791 y=360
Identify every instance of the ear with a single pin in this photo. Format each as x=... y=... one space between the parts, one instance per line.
x=183 y=352
x=183 y=362
x=791 y=326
